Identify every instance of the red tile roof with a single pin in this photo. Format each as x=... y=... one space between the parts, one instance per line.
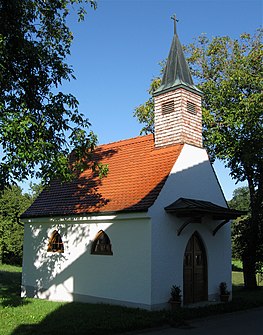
x=137 y=172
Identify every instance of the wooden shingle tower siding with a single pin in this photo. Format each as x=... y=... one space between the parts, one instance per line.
x=178 y=116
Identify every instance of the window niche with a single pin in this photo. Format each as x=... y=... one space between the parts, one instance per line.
x=55 y=243
x=101 y=244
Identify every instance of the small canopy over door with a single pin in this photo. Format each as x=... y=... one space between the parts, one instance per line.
x=194 y=210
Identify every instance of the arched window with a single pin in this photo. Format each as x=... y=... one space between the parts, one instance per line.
x=101 y=244
x=55 y=243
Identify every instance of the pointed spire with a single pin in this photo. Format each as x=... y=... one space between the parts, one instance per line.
x=176 y=73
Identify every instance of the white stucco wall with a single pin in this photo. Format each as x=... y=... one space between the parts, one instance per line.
x=191 y=177
x=78 y=275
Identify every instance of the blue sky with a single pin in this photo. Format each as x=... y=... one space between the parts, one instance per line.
x=117 y=49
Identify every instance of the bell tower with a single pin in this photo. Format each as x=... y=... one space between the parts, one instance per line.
x=178 y=116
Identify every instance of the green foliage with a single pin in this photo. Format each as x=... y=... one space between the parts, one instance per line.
x=240 y=232
x=223 y=288
x=241 y=227
x=145 y=112
x=39 y=125
x=240 y=200
x=237 y=265
x=176 y=293
x=12 y=204
x=35 y=190
x=229 y=73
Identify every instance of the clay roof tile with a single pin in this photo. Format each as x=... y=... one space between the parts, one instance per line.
x=137 y=173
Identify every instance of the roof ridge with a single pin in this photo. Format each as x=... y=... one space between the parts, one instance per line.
x=137 y=139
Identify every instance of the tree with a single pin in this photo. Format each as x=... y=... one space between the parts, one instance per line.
x=240 y=201
x=12 y=204
x=145 y=112
x=39 y=125
x=34 y=190
x=241 y=227
x=229 y=73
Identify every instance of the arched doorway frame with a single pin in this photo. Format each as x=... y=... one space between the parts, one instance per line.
x=195 y=270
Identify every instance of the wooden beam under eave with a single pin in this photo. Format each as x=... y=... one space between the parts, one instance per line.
x=220 y=226
x=187 y=222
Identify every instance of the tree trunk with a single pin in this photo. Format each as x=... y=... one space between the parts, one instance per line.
x=249 y=258
x=249 y=272
x=1 y=254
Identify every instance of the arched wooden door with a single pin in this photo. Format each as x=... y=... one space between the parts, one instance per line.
x=195 y=271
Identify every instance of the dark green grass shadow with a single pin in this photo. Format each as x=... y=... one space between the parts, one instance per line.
x=96 y=319
x=10 y=286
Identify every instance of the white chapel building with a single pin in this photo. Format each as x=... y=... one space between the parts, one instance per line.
x=159 y=218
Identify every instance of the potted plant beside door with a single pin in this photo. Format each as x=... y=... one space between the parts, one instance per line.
x=176 y=297
x=224 y=293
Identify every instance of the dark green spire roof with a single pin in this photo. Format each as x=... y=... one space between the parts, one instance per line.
x=177 y=72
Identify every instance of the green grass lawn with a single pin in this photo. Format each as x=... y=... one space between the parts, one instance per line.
x=237 y=278
x=33 y=316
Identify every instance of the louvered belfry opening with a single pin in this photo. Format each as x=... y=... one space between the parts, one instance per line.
x=191 y=108
x=168 y=107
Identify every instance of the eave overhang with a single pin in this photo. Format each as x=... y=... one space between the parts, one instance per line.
x=178 y=84
x=195 y=210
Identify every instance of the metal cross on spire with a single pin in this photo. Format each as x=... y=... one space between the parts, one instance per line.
x=175 y=20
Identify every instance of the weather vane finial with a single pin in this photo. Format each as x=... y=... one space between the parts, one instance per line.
x=175 y=20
